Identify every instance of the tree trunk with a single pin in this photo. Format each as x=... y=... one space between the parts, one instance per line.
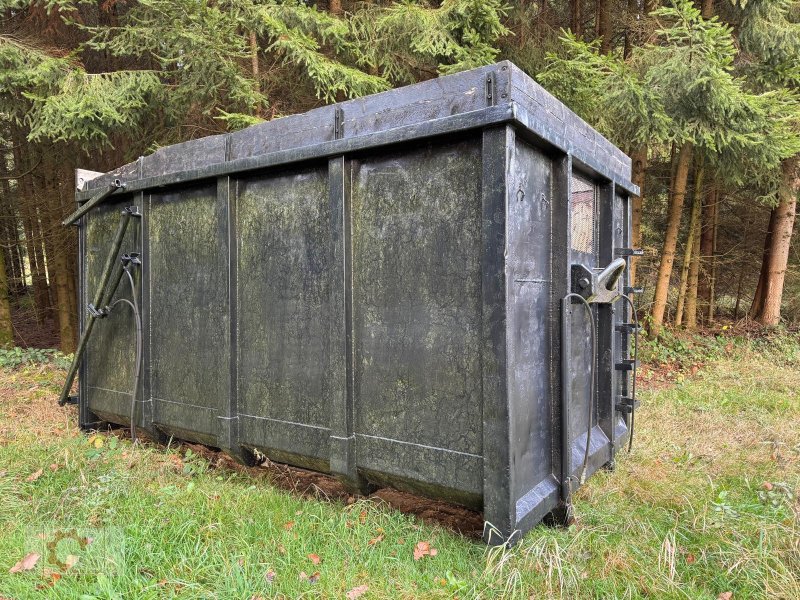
x=770 y=313
x=707 y=247
x=670 y=238
x=46 y=303
x=256 y=69
x=576 y=18
x=758 y=297
x=707 y=9
x=62 y=254
x=741 y=280
x=67 y=205
x=694 y=261
x=26 y=203
x=335 y=7
x=639 y=167
x=712 y=293
x=14 y=266
x=603 y=29
x=687 y=272
x=6 y=327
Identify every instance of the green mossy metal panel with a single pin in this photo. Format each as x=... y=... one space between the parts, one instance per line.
x=189 y=337
x=285 y=283
x=417 y=300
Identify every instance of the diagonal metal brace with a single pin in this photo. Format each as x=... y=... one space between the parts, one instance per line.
x=93 y=201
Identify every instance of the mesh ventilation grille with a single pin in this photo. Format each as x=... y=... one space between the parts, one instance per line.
x=583 y=215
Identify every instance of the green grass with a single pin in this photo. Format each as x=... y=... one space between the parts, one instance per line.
x=687 y=515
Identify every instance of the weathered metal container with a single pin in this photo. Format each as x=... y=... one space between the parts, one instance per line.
x=374 y=290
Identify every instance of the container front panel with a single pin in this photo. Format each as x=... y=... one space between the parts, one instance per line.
x=531 y=318
x=189 y=335
x=111 y=350
x=416 y=221
x=284 y=294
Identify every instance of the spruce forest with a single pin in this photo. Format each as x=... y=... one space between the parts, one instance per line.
x=705 y=98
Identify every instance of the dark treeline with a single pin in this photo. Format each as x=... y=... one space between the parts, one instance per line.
x=703 y=96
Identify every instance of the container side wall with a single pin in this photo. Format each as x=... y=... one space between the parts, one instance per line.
x=529 y=209
x=416 y=227
x=110 y=353
x=286 y=299
x=189 y=335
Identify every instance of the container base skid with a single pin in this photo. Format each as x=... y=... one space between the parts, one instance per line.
x=375 y=289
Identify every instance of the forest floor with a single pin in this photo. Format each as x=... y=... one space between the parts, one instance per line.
x=706 y=506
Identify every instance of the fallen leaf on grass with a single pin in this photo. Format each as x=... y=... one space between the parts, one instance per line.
x=288 y=525
x=690 y=559
x=424 y=549
x=376 y=540
x=725 y=596
x=362 y=516
x=96 y=441
x=313 y=578
x=71 y=560
x=767 y=486
x=54 y=467
x=26 y=564
x=35 y=475
x=314 y=558
x=281 y=549
x=52 y=580
x=357 y=592
x=269 y=576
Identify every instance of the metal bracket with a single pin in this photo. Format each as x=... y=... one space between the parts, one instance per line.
x=628 y=327
x=491 y=89
x=632 y=290
x=133 y=211
x=71 y=400
x=626 y=405
x=133 y=258
x=95 y=312
x=628 y=252
x=626 y=364
x=338 y=123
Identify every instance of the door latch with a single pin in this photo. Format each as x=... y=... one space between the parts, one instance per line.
x=598 y=286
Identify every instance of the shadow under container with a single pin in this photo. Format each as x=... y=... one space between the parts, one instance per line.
x=373 y=289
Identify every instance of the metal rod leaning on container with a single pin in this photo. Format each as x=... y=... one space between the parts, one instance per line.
x=93 y=201
x=99 y=296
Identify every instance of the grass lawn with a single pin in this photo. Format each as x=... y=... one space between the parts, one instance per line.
x=705 y=506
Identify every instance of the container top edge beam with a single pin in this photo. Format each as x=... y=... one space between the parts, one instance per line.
x=495 y=94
